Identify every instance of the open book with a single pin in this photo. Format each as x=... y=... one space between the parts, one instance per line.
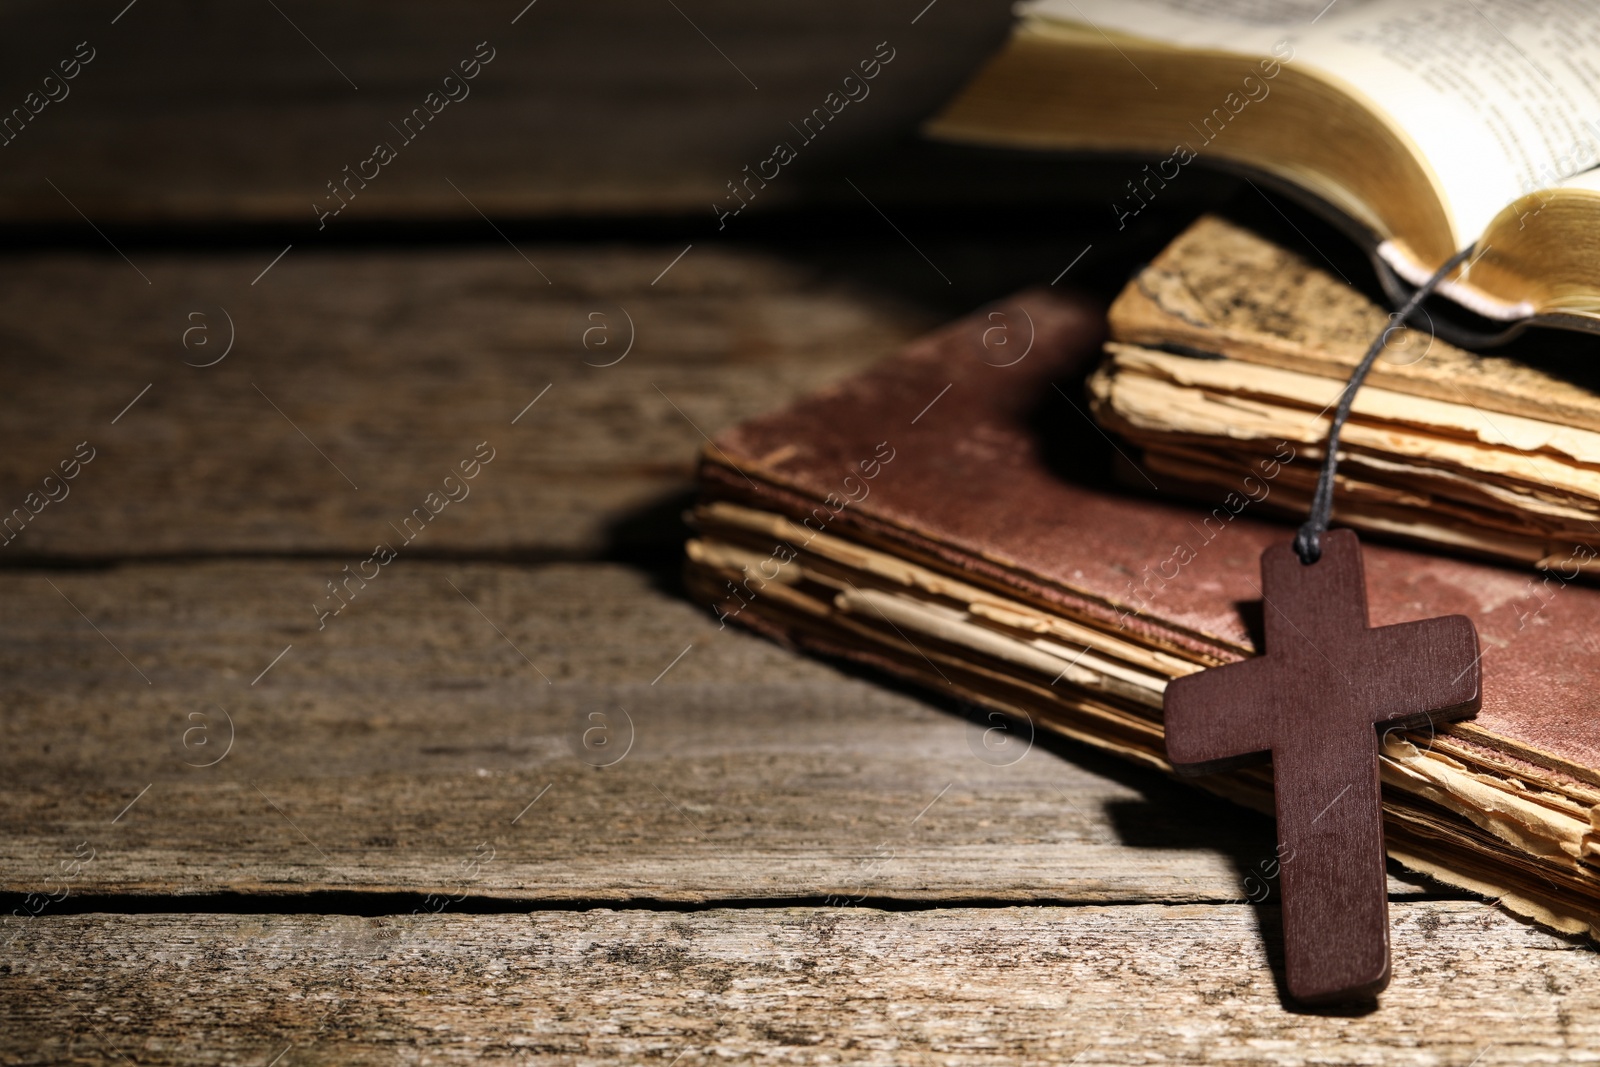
x=1425 y=125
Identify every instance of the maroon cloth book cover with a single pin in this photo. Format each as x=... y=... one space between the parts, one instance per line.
x=999 y=473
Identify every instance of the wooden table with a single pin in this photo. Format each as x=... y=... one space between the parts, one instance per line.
x=520 y=798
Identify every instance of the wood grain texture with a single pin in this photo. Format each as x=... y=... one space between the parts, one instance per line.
x=377 y=754
x=383 y=372
x=192 y=113
x=1088 y=985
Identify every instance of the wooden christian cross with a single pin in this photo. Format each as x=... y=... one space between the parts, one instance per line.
x=1315 y=702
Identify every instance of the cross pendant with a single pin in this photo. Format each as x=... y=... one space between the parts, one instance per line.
x=1314 y=702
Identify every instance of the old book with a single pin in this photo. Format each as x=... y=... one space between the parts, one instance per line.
x=945 y=517
x=1421 y=125
x=1228 y=348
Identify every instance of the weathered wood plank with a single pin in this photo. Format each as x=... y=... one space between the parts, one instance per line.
x=560 y=120
x=378 y=753
x=600 y=108
x=384 y=372
x=1086 y=985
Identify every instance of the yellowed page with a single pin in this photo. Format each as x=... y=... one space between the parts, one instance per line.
x=1500 y=97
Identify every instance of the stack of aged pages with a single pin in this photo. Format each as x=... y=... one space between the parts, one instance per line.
x=1228 y=352
x=947 y=517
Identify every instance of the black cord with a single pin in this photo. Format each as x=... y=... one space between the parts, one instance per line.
x=1308 y=541
x=1457 y=333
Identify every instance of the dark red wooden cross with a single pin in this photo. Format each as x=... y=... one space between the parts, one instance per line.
x=1315 y=702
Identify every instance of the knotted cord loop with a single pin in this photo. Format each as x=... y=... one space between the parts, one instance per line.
x=1308 y=540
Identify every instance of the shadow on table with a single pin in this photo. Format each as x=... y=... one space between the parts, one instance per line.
x=1170 y=814
x=652 y=537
